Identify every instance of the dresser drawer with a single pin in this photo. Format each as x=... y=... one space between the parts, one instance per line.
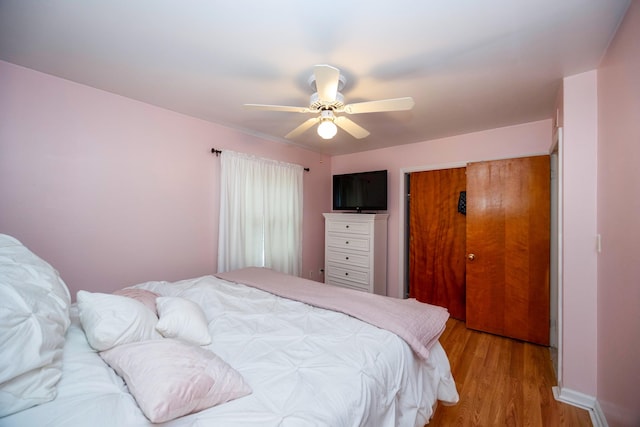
x=335 y=271
x=347 y=284
x=348 y=227
x=351 y=258
x=348 y=242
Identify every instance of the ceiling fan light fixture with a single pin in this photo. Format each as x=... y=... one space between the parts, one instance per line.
x=327 y=129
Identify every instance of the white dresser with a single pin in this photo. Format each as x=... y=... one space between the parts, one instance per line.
x=355 y=251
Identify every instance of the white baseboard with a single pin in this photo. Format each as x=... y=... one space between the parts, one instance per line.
x=583 y=401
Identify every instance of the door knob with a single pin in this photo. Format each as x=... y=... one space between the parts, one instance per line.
x=471 y=257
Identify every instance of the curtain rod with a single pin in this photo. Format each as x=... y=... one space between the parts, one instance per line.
x=217 y=153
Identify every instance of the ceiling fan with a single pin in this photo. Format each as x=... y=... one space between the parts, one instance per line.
x=327 y=101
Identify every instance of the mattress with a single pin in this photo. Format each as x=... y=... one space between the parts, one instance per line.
x=306 y=366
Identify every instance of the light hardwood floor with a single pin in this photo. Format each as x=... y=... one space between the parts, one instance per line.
x=501 y=382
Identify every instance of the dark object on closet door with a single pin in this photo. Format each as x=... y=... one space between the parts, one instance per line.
x=462 y=203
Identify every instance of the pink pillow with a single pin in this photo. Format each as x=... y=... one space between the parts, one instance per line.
x=146 y=297
x=169 y=378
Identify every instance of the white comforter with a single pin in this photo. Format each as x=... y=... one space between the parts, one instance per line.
x=307 y=367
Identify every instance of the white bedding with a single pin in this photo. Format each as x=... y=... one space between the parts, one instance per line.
x=306 y=366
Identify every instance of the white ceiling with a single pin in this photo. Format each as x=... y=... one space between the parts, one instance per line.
x=470 y=65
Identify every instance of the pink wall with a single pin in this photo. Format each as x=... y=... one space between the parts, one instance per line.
x=618 y=222
x=112 y=191
x=579 y=343
x=513 y=141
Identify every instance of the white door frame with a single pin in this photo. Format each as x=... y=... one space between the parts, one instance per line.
x=557 y=150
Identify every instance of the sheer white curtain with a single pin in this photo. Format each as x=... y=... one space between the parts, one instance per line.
x=260 y=214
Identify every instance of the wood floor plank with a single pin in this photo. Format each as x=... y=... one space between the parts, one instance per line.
x=502 y=382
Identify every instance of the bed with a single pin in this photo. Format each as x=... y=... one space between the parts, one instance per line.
x=272 y=359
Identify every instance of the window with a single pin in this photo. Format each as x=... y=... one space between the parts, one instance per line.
x=260 y=214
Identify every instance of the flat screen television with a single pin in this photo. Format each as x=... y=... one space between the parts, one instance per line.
x=362 y=191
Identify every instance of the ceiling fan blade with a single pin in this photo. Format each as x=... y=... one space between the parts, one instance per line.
x=395 y=104
x=327 y=80
x=283 y=108
x=302 y=128
x=351 y=127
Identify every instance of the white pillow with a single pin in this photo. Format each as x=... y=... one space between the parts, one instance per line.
x=182 y=319
x=169 y=378
x=34 y=317
x=109 y=320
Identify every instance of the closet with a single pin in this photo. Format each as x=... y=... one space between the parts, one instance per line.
x=502 y=275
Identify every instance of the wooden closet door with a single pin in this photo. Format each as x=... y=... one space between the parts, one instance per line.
x=508 y=204
x=437 y=240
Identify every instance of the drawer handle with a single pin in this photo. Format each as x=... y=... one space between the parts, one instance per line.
x=347 y=242
x=347 y=226
x=346 y=257
x=346 y=274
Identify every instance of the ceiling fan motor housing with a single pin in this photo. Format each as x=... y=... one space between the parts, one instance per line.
x=316 y=104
